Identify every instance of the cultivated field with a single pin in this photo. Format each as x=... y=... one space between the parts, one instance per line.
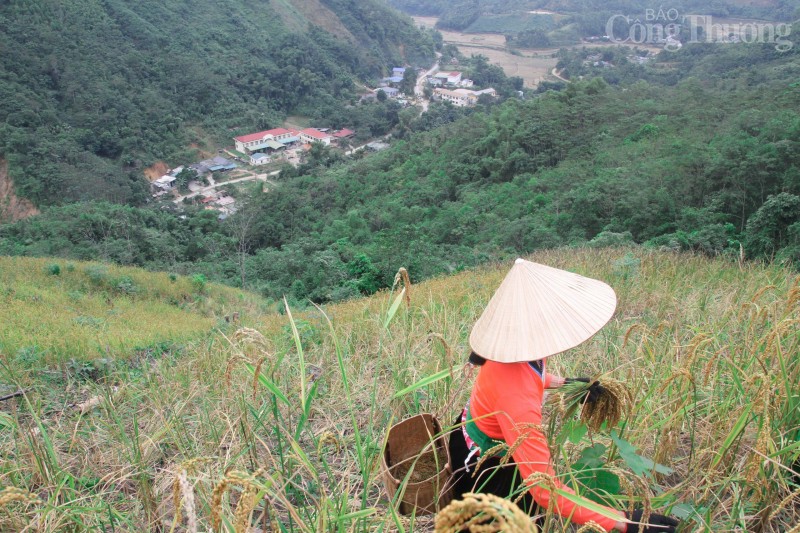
x=280 y=426
x=532 y=66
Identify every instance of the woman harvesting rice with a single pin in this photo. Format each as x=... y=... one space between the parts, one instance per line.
x=537 y=311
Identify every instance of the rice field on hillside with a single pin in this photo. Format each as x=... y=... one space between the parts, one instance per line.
x=280 y=426
x=53 y=311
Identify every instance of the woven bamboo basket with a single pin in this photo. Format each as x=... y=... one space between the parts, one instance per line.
x=410 y=445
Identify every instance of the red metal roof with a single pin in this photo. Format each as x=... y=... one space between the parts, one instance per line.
x=344 y=133
x=311 y=132
x=261 y=134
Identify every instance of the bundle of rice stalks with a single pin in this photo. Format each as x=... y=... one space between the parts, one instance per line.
x=607 y=401
x=483 y=513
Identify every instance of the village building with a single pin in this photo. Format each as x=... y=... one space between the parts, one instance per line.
x=274 y=139
x=343 y=134
x=215 y=164
x=391 y=92
x=163 y=184
x=449 y=78
x=312 y=135
x=463 y=97
x=259 y=159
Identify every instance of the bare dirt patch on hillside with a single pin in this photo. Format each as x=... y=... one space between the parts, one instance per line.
x=12 y=207
x=156 y=170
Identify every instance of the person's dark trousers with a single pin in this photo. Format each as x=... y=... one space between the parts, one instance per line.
x=492 y=478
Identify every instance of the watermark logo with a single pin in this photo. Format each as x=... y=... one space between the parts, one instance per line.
x=670 y=29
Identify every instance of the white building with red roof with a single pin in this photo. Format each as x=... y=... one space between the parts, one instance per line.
x=274 y=139
x=312 y=135
x=450 y=78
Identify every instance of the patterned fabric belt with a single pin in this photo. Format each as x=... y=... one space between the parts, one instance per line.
x=476 y=439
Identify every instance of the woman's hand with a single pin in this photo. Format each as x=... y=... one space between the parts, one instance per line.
x=556 y=382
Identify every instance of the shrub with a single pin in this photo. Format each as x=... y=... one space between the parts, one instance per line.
x=125 y=285
x=96 y=273
x=54 y=269
x=199 y=283
x=608 y=239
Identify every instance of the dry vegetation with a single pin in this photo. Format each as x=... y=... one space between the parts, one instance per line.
x=52 y=311
x=281 y=426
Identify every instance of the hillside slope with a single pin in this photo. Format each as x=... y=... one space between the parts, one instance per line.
x=52 y=311
x=92 y=92
x=705 y=346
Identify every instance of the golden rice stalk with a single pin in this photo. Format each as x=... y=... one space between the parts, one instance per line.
x=14 y=495
x=448 y=351
x=631 y=329
x=544 y=479
x=626 y=485
x=216 y=503
x=491 y=452
x=614 y=403
x=483 y=513
x=795 y=529
x=784 y=503
x=760 y=292
x=591 y=526
x=234 y=477
x=251 y=336
x=257 y=373
x=247 y=502
x=794 y=297
x=402 y=277
x=524 y=431
x=681 y=372
x=229 y=368
x=549 y=483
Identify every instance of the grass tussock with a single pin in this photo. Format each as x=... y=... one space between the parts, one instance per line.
x=281 y=426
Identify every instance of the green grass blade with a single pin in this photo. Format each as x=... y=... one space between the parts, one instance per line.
x=301 y=356
x=737 y=429
x=266 y=382
x=393 y=309
x=433 y=378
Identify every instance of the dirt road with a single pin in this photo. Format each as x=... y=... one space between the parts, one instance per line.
x=210 y=188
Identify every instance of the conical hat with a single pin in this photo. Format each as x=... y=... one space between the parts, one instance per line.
x=540 y=311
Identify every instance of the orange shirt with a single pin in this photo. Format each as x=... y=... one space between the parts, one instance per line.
x=506 y=396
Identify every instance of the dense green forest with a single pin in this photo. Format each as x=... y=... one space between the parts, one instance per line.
x=93 y=91
x=704 y=157
x=577 y=18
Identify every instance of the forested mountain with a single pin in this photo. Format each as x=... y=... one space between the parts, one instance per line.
x=591 y=15
x=705 y=159
x=93 y=91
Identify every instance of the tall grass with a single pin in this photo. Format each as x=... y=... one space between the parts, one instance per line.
x=52 y=312
x=280 y=427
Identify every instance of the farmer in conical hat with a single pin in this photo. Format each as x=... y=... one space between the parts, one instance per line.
x=538 y=311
